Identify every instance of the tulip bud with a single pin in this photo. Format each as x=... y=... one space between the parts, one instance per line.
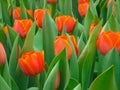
x=32 y=63
x=22 y=27
x=67 y=21
x=39 y=16
x=2 y=54
x=83 y=8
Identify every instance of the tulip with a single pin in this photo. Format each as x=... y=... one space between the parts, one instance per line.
x=107 y=40
x=16 y=13
x=32 y=63
x=39 y=16
x=61 y=42
x=92 y=28
x=82 y=1
x=52 y=1
x=22 y=27
x=83 y=8
x=5 y=29
x=2 y=54
x=67 y=21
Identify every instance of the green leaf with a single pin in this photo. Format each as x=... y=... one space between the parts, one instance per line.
x=87 y=22
x=23 y=13
x=33 y=88
x=49 y=34
x=87 y=57
x=72 y=84
x=64 y=69
x=13 y=85
x=73 y=64
x=28 y=44
x=49 y=83
x=112 y=58
x=3 y=84
x=5 y=14
x=78 y=87
x=106 y=81
x=38 y=41
x=61 y=5
x=68 y=7
x=13 y=58
x=118 y=10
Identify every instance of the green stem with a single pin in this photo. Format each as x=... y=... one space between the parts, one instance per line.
x=37 y=81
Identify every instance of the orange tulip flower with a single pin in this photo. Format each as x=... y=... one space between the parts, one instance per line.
x=16 y=13
x=67 y=21
x=83 y=8
x=82 y=1
x=32 y=63
x=107 y=40
x=52 y=1
x=39 y=16
x=22 y=27
x=92 y=28
x=2 y=54
x=61 y=42
x=5 y=29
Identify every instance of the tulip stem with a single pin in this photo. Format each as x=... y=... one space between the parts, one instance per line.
x=37 y=81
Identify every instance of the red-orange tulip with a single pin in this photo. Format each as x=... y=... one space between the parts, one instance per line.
x=52 y=1
x=5 y=29
x=2 y=54
x=107 y=40
x=61 y=42
x=22 y=27
x=67 y=21
x=16 y=13
x=32 y=63
x=82 y=1
x=39 y=16
x=83 y=8
x=92 y=28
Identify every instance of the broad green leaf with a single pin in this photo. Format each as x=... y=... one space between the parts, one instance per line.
x=28 y=44
x=13 y=85
x=61 y=5
x=113 y=24
x=13 y=58
x=49 y=83
x=104 y=81
x=64 y=69
x=21 y=79
x=112 y=58
x=38 y=41
x=5 y=14
x=73 y=64
x=87 y=22
x=87 y=57
x=33 y=88
x=23 y=13
x=68 y=7
x=49 y=34
x=3 y=84
x=72 y=84
x=78 y=87
x=118 y=10
x=4 y=72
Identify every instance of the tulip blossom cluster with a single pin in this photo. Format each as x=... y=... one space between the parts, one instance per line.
x=107 y=40
x=83 y=6
x=61 y=42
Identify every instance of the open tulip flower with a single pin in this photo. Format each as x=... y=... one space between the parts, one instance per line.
x=32 y=63
x=16 y=13
x=22 y=27
x=83 y=8
x=67 y=21
x=61 y=42
x=39 y=16
x=107 y=40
